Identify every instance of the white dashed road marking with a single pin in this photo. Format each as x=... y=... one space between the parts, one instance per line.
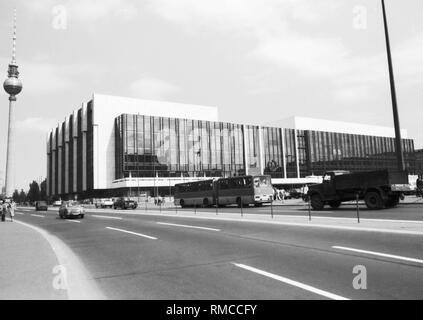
x=292 y=282
x=106 y=217
x=134 y=233
x=379 y=254
x=37 y=215
x=187 y=226
x=74 y=221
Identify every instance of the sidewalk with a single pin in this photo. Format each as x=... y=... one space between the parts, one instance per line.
x=26 y=264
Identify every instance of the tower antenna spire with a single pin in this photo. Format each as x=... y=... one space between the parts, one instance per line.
x=14 y=39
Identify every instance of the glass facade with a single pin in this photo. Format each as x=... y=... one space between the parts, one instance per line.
x=325 y=151
x=273 y=152
x=419 y=162
x=166 y=147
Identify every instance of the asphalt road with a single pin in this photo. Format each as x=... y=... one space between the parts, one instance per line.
x=145 y=256
x=407 y=211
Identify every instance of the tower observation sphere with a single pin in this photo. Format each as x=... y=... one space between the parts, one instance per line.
x=12 y=86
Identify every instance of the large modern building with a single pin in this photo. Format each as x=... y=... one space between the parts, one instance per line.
x=419 y=162
x=118 y=146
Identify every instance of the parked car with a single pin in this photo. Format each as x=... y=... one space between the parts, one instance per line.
x=125 y=203
x=71 y=209
x=104 y=203
x=57 y=203
x=295 y=193
x=41 y=206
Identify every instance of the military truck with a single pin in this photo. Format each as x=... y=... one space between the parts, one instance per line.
x=379 y=189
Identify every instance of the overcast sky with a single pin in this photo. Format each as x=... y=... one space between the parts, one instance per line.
x=256 y=60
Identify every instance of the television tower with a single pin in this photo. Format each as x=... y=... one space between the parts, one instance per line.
x=13 y=86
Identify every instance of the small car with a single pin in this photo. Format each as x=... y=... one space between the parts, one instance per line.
x=125 y=203
x=41 y=206
x=104 y=203
x=71 y=209
x=57 y=203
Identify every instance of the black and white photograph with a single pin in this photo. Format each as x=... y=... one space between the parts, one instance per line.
x=211 y=155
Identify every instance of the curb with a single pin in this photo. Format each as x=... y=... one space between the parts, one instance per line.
x=80 y=285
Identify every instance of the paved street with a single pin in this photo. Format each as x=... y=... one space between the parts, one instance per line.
x=153 y=255
x=412 y=209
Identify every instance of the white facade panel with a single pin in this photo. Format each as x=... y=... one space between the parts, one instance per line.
x=303 y=123
x=66 y=133
x=84 y=161
x=107 y=108
x=53 y=140
x=84 y=121
x=75 y=124
x=60 y=135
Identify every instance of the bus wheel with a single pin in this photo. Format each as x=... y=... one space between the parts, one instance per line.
x=182 y=203
x=206 y=202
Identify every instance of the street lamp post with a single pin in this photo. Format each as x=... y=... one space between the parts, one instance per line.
x=398 y=141
x=13 y=86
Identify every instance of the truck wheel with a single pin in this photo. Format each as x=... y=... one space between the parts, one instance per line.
x=335 y=204
x=317 y=202
x=373 y=200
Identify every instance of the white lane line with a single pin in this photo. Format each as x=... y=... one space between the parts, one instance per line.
x=37 y=215
x=106 y=217
x=380 y=254
x=134 y=233
x=187 y=226
x=74 y=221
x=20 y=213
x=292 y=282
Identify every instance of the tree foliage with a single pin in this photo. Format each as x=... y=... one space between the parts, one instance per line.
x=34 y=192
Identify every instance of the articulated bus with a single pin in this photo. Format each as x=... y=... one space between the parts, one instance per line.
x=242 y=191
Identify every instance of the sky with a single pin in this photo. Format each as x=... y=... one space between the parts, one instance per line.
x=256 y=60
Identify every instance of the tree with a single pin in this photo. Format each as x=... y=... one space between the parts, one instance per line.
x=15 y=196
x=34 y=192
x=43 y=191
x=22 y=196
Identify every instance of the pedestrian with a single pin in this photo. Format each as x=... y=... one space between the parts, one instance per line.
x=419 y=185
x=3 y=211
x=12 y=208
x=283 y=195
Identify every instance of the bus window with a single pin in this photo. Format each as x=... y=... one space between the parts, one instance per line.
x=262 y=181
x=223 y=184
x=234 y=184
x=248 y=181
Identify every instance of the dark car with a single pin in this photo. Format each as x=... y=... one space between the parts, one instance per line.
x=125 y=203
x=41 y=206
x=295 y=194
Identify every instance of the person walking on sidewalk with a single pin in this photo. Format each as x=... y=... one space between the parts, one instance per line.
x=3 y=209
x=12 y=207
